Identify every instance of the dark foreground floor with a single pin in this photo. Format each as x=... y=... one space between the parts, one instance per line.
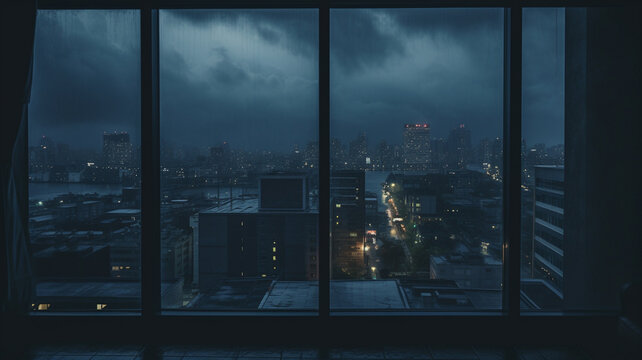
x=128 y=352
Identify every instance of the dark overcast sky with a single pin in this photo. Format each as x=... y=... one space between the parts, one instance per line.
x=251 y=77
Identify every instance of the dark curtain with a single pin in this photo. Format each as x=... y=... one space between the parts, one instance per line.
x=17 y=28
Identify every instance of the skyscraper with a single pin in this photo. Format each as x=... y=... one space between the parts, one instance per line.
x=45 y=155
x=338 y=156
x=117 y=150
x=220 y=158
x=359 y=152
x=384 y=156
x=416 y=147
x=459 y=147
x=439 y=150
x=484 y=153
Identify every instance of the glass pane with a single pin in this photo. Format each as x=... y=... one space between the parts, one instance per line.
x=416 y=153
x=581 y=201
x=542 y=159
x=84 y=161
x=239 y=157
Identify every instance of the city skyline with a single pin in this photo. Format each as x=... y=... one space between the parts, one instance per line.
x=206 y=149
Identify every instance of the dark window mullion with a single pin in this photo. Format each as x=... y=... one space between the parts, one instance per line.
x=324 y=161
x=512 y=158
x=150 y=165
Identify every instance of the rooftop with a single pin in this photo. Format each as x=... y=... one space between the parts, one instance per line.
x=250 y=206
x=101 y=290
x=124 y=212
x=466 y=259
x=561 y=167
x=41 y=218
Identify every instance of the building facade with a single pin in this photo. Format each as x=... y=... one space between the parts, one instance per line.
x=117 y=150
x=416 y=147
x=348 y=221
x=548 y=225
x=274 y=235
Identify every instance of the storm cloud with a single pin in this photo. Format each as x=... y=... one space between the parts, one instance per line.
x=251 y=77
x=86 y=76
x=440 y=66
x=543 y=76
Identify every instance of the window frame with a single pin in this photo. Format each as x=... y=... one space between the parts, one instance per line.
x=561 y=324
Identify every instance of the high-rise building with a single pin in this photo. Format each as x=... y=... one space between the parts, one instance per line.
x=416 y=146
x=497 y=153
x=484 y=153
x=384 y=157
x=338 y=156
x=117 y=150
x=548 y=225
x=359 y=152
x=43 y=156
x=63 y=154
x=220 y=158
x=348 y=221
x=439 y=149
x=459 y=148
x=273 y=235
x=311 y=155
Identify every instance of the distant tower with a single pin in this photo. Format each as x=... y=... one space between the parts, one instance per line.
x=459 y=147
x=46 y=155
x=117 y=150
x=220 y=158
x=417 y=153
x=359 y=152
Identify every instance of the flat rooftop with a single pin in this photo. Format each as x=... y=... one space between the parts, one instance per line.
x=344 y=295
x=284 y=295
x=100 y=290
x=366 y=294
x=466 y=260
x=236 y=206
x=251 y=206
x=233 y=294
x=41 y=218
x=124 y=212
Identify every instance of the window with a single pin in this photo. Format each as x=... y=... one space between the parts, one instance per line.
x=239 y=159
x=543 y=159
x=577 y=192
x=84 y=160
x=416 y=123
x=405 y=109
